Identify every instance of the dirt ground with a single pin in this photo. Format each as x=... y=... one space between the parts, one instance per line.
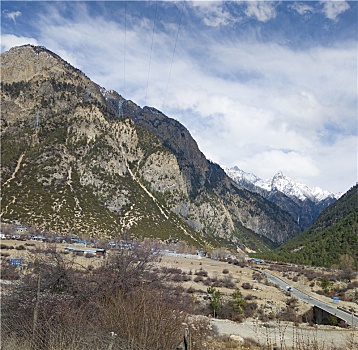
x=241 y=275
x=287 y=335
x=266 y=294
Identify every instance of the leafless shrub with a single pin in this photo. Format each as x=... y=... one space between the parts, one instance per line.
x=177 y=277
x=171 y=270
x=216 y=282
x=142 y=319
x=186 y=278
x=246 y=285
x=128 y=268
x=292 y=302
x=198 y=279
x=202 y=273
x=228 y=282
x=250 y=309
x=308 y=316
x=191 y=290
x=60 y=305
x=9 y=272
x=256 y=276
x=207 y=281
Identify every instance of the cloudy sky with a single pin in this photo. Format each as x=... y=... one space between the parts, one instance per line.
x=263 y=85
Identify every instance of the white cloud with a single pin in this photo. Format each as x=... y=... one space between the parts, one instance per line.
x=302 y=8
x=9 y=40
x=332 y=9
x=213 y=14
x=12 y=15
x=292 y=95
x=261 y=106
x=294 y=164
x=337 y=164
x=263 y=11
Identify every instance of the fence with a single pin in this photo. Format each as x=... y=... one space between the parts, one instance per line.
x=68 y=340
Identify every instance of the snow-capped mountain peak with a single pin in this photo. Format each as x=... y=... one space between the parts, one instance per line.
x=237 y=174
x=289 y=187
x=303 y=203
x=282 y=183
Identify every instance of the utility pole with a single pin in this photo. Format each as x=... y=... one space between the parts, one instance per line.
x=37 y=120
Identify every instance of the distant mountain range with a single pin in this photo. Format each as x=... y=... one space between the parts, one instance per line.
x=78 y=159
x=302 y=202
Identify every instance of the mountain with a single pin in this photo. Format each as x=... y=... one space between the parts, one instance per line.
x=303 y=203
x=333 y=238
x=78 y=158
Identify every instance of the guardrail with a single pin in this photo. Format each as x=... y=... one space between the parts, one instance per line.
x=346 y=311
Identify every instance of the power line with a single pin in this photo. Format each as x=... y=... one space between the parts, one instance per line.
x=124 y=50
x=175 y=46
x=151 y=49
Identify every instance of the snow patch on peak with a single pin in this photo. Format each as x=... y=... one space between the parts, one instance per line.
x=282 y=183
x=237 y=174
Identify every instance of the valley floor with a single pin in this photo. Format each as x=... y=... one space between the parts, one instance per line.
x=283 y=334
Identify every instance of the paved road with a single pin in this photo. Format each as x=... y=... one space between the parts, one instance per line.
x=347 y=317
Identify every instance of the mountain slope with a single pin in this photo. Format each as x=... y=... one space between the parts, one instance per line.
x=208 y=181
x=333 y=235
x=77 y=158
x=304 y=204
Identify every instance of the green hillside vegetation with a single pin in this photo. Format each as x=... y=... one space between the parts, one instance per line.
x=331 y=240
x=248 y=238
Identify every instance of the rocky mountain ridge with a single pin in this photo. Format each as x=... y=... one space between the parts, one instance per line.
x=302 y=202
x=77 y=158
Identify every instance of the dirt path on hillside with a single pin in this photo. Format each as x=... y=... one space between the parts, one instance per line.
x=16 y=169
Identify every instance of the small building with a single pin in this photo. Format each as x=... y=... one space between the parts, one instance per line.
x=39 y=238
x=100 y=252
x=20 y=229
x=16 y=262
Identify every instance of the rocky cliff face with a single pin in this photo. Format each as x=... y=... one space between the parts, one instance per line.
x=78 y=158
